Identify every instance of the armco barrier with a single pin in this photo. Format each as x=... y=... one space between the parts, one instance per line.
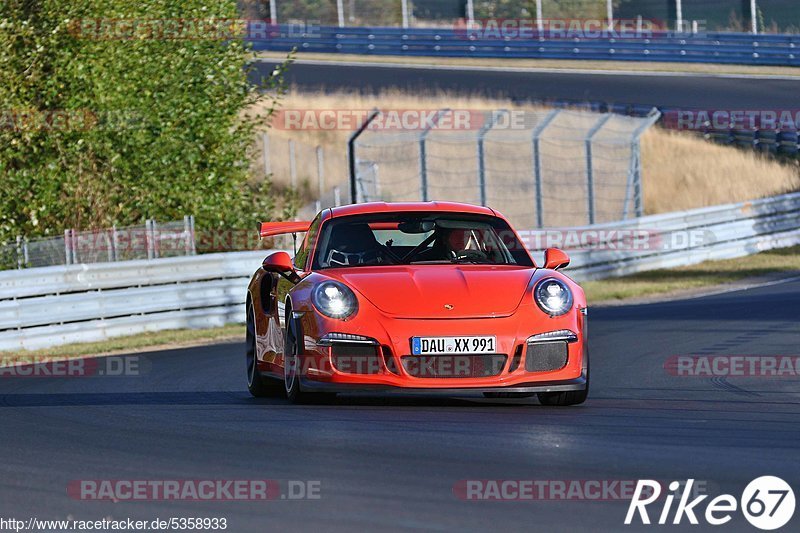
x=732 y=48
x=51 y=306
x=725 y=232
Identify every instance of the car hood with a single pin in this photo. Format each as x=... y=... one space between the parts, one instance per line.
x=440 y=291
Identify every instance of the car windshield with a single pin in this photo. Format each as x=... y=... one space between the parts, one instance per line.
x=418 y=238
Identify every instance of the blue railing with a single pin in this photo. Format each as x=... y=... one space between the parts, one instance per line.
x=731 y=48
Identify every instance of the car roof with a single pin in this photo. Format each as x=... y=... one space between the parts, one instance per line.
x=407 y=207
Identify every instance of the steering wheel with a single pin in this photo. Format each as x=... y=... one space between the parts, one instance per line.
x=470 y=255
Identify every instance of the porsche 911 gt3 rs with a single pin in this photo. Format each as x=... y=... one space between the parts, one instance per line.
x=436 y=297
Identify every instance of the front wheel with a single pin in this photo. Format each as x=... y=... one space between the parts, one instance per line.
x=291 y=371
x=258 y=385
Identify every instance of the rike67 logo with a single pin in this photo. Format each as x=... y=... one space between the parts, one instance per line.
x=767 y=503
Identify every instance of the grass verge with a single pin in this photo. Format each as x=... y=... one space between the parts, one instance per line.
x=150 y=341
x=551 y=64
x=681 y=280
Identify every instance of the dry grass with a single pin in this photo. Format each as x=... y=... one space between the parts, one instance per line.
x=709 y=274
x=682 y=173
x=551 y=64
x=679 y=170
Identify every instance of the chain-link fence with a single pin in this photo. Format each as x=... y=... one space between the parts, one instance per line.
x=149 y=241
x=546 y=168
x=771 y=16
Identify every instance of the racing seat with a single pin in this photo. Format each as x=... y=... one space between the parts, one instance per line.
x=353 y=244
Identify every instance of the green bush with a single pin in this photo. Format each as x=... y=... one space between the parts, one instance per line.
x=97 y=131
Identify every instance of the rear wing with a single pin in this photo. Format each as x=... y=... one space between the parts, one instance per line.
x=271 y=229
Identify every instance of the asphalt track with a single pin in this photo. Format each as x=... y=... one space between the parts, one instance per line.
x=664 y=90
x=390 y=464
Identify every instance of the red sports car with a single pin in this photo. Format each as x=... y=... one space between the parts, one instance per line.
x=435 y=297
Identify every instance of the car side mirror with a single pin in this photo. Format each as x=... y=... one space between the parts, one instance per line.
x=278 y=262
x=555 y=259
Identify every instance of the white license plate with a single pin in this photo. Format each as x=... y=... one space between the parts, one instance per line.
x=453 y=345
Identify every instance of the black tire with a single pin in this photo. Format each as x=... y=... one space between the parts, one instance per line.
x=291 y=376
x=260 y=386
x=563 y=399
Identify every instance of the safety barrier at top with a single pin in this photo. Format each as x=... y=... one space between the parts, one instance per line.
x=705 y=47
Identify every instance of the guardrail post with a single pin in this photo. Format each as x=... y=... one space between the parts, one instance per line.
x=351 y=154
x=537 y=164
x=494 y=115
x=590 y=165
x=423 y=154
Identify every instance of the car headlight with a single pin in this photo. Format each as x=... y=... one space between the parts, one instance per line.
x=334 y=299
x=553 y=296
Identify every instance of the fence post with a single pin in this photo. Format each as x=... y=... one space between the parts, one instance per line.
x=19 y=252
x=193 y=235
x=679 y=15
x=537 y=164
x=265 y=151
x=539 y=19
x=292 y=164
x=482 y=152
x=148 y=237
x=110 y=244
x=67 y=248
x=273 y=11
x=74 y=243
x=590 y=165
x=340 y=12
x=320 y=171
x=115 y=242
x=635 y=169
x=351 y=155
x=404 y=7
x=423 y=154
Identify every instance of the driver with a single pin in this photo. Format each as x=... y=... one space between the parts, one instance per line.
x=354 y=244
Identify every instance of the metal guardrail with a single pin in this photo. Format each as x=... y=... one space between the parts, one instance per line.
x=678 y=239
x=731 y=48
x=50 y=306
